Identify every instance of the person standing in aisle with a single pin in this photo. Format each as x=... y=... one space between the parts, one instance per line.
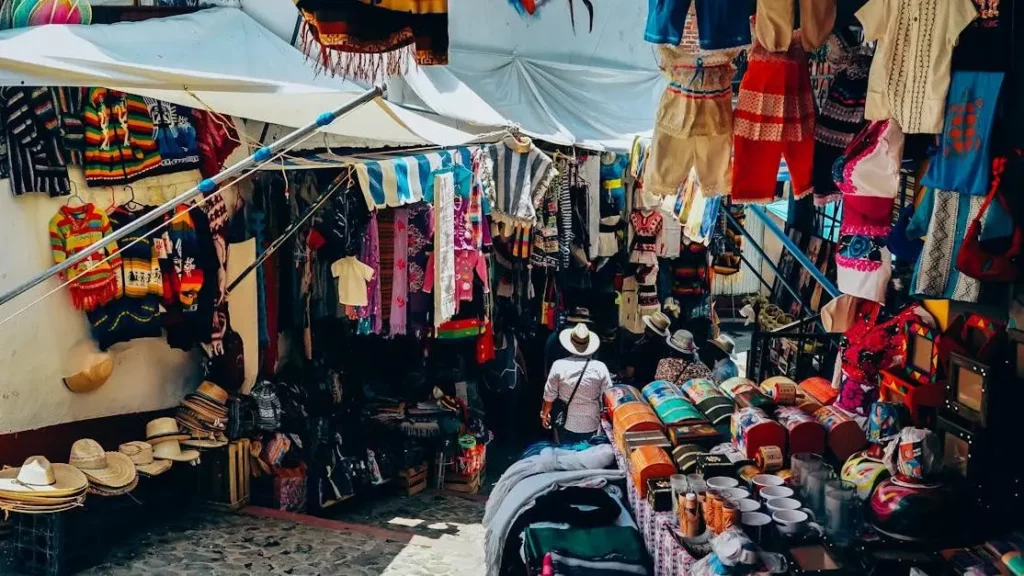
x=572 y=395
x=553 y=349
x=643 y=358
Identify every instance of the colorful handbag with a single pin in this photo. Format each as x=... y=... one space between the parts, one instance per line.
x=973 y=259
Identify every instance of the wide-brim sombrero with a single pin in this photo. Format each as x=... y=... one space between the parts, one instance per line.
x=119 y=472
x=68 y=481
x=105 y=491
x=204 y=443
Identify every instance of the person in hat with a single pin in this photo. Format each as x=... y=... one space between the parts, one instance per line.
x=683 y=362
x=579 y=381
x=643 y=358
x=718 y=355
x=553 y=349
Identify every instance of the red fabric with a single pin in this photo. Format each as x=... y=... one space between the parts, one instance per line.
x=216 y=138
x=774 y=117
x=756 y=168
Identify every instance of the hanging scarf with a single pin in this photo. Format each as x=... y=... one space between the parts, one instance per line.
x=400 y=288
x=444 y=248
x=368 y=39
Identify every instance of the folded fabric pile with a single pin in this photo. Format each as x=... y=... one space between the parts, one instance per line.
x=109 y=473
x=204 y=415
x=39 y=487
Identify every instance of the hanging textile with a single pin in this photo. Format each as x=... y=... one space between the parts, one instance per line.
x=217 y=139
x=400 y=287
x=371 y=39
x=386 y=246
x=394 y=182
x=119 y=138
x=35 y=156
x=70 y=102
x=522 y=173
x=175 y=132
x=73 y=229
x=444 y=248
x=26 y=13
x=370 y=315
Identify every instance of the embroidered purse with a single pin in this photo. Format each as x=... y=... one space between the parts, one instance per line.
x=973 y=259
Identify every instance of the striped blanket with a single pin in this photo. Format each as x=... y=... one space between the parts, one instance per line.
x=402 y=180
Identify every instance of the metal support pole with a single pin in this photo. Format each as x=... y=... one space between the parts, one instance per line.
x=206 y=186
x=795 y=251
x=778 y=273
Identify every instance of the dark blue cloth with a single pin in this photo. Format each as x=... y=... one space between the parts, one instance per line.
x=665 y=21
x=723 y=24
x=963 y=161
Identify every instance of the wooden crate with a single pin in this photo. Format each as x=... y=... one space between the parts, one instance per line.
x=228 y=475
x=467 y=484
x=413 y=480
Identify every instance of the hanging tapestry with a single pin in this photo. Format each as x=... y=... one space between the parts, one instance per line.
x=444 y=248
x=374 y=39
x=25 y=13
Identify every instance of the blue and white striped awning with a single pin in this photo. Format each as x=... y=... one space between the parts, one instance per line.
x=392 y=182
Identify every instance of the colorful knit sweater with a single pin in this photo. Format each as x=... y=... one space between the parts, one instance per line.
x=119 y=138
x=73 y=229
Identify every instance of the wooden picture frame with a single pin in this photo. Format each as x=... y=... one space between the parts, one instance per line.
x=967 y=391
x=1016 y=353
x=916 y=333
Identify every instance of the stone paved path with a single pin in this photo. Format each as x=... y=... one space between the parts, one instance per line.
x=424 y=535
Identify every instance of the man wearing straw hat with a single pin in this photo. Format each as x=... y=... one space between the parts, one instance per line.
x=553 y=350
x=572 y=394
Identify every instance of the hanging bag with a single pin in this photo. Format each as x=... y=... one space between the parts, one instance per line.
x=973 y=259
x=559 y=409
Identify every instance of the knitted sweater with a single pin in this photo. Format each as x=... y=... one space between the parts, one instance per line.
x=36 y=156
x=190 y=282
x=72 y=229
x=136 y=312
x=119 y=138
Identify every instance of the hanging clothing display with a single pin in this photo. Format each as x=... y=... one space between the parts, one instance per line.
x=135 y=313
x=444 y=280
x=35 y=152
x=94 y=282
x=694 y=123
x=841 y=116
x=176 y=135
x=910 y=73
x=963 y=159
x=190 y=286
x=216 y=138
x=400 y=275
x=353 y=279
x=773 y=23
x=70 y=103
x=119 y=138
x=613 y=170
x=522 y=174
x=774 y=119
x=368 y=39
x=648 y=241
x=370 y=321
x=982 y=45
x=721 y=24
x=941 y=219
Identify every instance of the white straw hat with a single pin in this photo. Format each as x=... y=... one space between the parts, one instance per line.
x=579 y=340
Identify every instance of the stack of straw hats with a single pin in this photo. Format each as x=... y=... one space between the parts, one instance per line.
x=141 y=455
x=39 y=487
x=204 y=415
x=109 y=473
x=165 y=438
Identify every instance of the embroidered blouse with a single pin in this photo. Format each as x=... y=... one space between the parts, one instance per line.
x=910 y=72
x=647 y=230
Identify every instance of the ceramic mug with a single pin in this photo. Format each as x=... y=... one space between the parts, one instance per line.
x=765 y=480
x=757 y=526
x=747 y=505
x=734 y=494
x=776 y=504
x=791 y=522
x=722 y=482
x=773 y=492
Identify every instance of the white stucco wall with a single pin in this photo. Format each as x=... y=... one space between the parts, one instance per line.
x=148 y=374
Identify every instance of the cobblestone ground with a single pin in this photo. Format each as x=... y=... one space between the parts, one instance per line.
x=424 y=535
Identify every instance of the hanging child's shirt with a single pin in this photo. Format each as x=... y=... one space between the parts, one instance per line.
x=119 y=138
x=353 y=277
x=72 y=230
x=467 y=263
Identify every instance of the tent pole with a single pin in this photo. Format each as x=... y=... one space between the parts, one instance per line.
x=796 y=252
x=779 y=276
x=206 y=186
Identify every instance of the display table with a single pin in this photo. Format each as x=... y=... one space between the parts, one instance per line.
x=668 y=557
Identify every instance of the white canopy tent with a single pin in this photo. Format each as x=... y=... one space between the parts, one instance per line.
x=593 y=89
x=219 y=58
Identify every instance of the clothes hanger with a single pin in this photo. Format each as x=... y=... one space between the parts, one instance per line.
x=74 y=190
x=134 y=206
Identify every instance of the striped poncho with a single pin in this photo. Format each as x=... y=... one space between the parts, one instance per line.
x=522 y=174
x=73 y=229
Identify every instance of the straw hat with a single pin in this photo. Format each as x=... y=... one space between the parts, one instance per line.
x=579 y=340
x=682 y=341
x=213 y=393
x=163 y=430
x=86 y=368
x=39 y=478
x=724 y=343
x=105 y=491
x=141 y=455
x=171 y=450
x=658 y=323
x=204 y=443
x=109 y=469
